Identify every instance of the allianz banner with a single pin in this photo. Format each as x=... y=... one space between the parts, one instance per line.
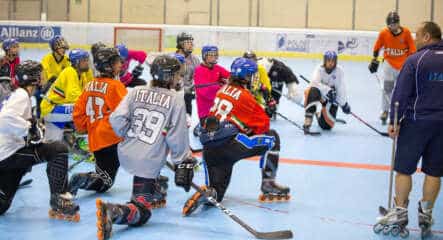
x=29 y=34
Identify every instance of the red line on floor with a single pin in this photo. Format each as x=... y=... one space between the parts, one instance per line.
x=366 y=166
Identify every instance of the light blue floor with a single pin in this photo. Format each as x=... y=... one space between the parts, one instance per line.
x=328 y=202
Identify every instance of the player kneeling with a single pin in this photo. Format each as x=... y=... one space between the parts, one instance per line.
x=238 y=127
x=327 y=89
x=152 y=121
x=21 y=147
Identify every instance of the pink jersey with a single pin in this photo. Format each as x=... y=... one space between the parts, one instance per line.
x=139 y=56
x=207 y=82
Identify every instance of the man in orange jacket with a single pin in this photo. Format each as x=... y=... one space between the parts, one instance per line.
x=398 y=45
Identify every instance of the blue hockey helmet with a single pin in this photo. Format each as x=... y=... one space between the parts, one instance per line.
x=76 y=55
x=123 y=50
x=242 y=68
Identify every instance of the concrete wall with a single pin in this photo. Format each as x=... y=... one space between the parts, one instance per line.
x=333 y=14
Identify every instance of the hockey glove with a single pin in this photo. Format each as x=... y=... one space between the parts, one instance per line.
x=184 y=172
x=35 y=134
x=373 y=66
x=332 y=95
x=346 y=108
x=137 y=71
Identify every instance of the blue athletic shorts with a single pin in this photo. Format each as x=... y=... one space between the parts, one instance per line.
x=420 y=139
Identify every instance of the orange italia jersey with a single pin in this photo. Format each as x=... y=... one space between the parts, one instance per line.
x=93 y=108
x=238 y=106
x=396 y=47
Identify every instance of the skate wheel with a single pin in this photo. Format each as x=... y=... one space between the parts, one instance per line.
x=377 y=228
x=386 y=230
x=395 y=230
x=188 y=208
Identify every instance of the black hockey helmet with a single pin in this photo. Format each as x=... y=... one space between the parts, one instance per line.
x=95 y=47
x=163 y=69
x=104 y=59
x=28 y=73
x=250 y=55
x=392 y=18
x=182 y=37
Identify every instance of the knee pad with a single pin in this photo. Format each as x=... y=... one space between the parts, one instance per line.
x=274 y=134
x=327 y=117
x=312 y=99
x=4 y=203
x=106 y=179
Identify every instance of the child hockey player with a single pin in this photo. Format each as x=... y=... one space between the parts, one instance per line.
x=12 y=50
x=21 y=147
x=398 y=44
x=260 y=85
x=185 y=46
x=328 y=89
x=56 y=106
x=54 y=62
x=127 y=55
x=6 y=87
x=237 y=127
x=209 y=77
x=91 y=114
x=152 y=121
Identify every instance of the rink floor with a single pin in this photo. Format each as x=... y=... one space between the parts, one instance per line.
x=337 y=182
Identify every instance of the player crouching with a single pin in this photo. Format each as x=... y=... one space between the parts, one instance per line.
x=238 y=127
x=21 y=147
x=152 y=122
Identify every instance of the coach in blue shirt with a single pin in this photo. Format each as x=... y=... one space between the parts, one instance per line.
x=419 y=92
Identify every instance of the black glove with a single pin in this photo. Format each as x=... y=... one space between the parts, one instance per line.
x=271 y=107
x=332 y=95
x=35 y=134
x=184 y=172
x=137 y=71
x=346 y=108
x=373 y=66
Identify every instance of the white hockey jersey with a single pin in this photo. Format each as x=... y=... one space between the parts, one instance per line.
x=324 y=81
x=15 y=113
x=152 y=122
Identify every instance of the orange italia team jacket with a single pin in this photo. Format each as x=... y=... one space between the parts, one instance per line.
x=93 y=108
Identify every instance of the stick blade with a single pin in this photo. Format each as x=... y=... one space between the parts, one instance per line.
x=285 y=234
x=314 y=133
x=384 y=134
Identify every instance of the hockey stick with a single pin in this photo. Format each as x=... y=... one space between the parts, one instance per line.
x=355 y=116
x=296 y=124
x=394 y=144
x=286 y=234
x=385 y=134
x=203 y=85
x=25 y=183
